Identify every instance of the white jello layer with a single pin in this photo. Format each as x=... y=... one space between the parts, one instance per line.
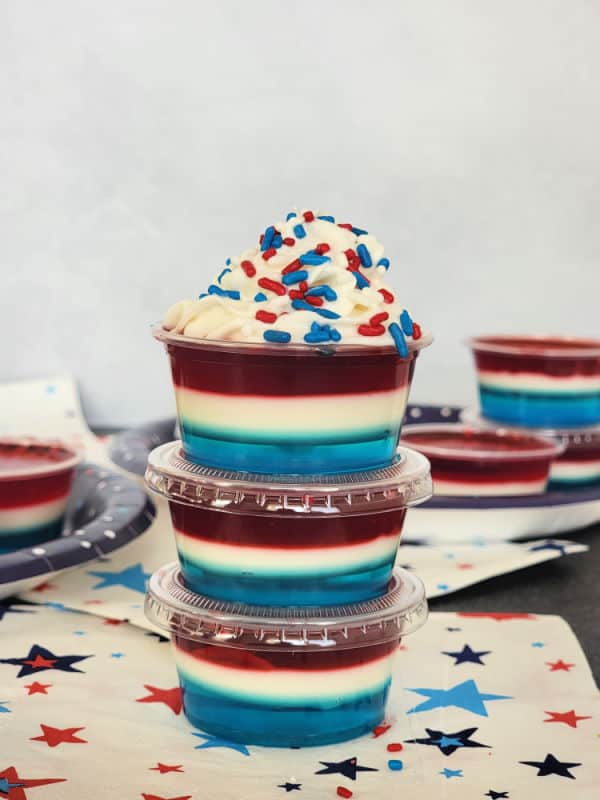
x=535 y=382
x=497 y=488
x=287 y=686
x=564 y=470
x=15 y=520
x=289 y=416
x=292 y=561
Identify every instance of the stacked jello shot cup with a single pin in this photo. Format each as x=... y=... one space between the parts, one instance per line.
x=288 y=491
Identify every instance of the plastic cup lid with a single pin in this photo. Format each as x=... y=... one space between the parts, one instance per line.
x=26 y=457
x=173 y=607
x=407 y=482
x=568 y=436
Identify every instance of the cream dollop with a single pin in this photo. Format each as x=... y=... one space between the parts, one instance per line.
x=309 y=280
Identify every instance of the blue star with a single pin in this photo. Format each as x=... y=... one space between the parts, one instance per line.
x=215 y=741
x=449 y=555
x=448 y=741
x=50 y=389
x=132 y=577
x=3 y=709
x=117 y=655
x=443 y=587
x=549 y=545
x=451 y=773
x=464 y=695
x=538 y=644
x=466 y=655
x=78 y=633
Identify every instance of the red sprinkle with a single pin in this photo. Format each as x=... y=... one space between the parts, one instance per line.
x=303 y=286
x=295 y=294
x=417 y=332
x=371 y=330
x=289 y=241
x=274 y=286
x=377 y=319
x=322 y=248
x=308 y=216
x=388 y=297
x=292 y=267
x=394 y=747
x=314 y=301
x=265 y=316
x=248 y=268
x=353 y=260
x=269 y=253
x=381 y=729
x=345 y=225
x=261 y=238
x=343 y=792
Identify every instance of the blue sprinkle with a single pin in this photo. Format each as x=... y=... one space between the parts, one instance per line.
x=225 y=271
x=227 y=262
x=233 y=294
x=277 y=241
x=406 y=322
x=313 y=259
x=316 y=337
x=268 y=238
x=291 y=215
x=322 y=291
x=399 y=340
x=384 y=262
x=299 y=231
x=260 y=297
x=294 y=277
x=336 y=336
x=204 y=294
x=302 y=305
x=359 y=231
x=277 y=336
x=364 y=255
x=326 y=218
x=360 y=279
x=395 y=764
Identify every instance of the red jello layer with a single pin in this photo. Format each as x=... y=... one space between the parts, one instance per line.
x=554 y=357
x=31 y=491
x=471 y=471
x=290 y=374
x=263 y=660
x=476 y=442
x=253 y=530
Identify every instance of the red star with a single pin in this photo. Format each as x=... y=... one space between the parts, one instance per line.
x=93 y=602
x=464 y=566
x=170 y=697
x=17 y=785
x=38 y=688
x=162 y=768
x=555 y=666
x=499 y=616
x=568 y=717
x=43 y=587
x=381 y=729
x=55 y=736
x=40 y=661
x=110 y=621
x=156 y=797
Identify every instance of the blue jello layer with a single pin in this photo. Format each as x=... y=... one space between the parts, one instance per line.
x=289 y=457
x=540 y=410
x=572 y=483
x=316 y=590
x=29 y=537
x=280 y=726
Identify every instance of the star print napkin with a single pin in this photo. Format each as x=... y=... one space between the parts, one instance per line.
x=91 y=708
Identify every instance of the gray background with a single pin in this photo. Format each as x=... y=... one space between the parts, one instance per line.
x=141 y=143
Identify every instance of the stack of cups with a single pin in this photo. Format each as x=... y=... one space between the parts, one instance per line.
x=288 y=496
x=548 y=386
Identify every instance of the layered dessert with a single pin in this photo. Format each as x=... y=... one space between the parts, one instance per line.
x=280 y=677
x=538 y=382
x=579 y=465
x=272 y=541
x=298 y=358
x=478 y=462
x=35 y=480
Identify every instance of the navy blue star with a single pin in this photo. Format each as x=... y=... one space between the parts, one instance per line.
x=496 y=795
x=7 y=607
x=289 y=787
x=552 y=766
x=39 y=659
x=467 y=655
x=448 y=742
x=347 y=768
x=453 y=630
x=549 y=545
x=132 y=577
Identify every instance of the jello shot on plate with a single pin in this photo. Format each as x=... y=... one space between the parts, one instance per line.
x=579 y=464
x=475 y=462
x=269 y=540
x=298 y=358
x=284 y=677
x=35 y=480
x=538 y=382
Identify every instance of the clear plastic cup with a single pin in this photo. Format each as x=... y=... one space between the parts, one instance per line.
x=484 y=461
x=289 y=409
x=284 y=677
x=537 y=381
x=274 y=541
x=35 y=480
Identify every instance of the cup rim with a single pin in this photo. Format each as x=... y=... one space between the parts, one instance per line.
x=40 y=470
x=549 y=448
x=541 y=345
x=472 y=416
x=168 y=337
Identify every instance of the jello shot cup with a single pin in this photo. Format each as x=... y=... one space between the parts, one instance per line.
x=538 y=382
x=284 y=677
x=293 y=409
x=268 y=540
x=35 y=480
